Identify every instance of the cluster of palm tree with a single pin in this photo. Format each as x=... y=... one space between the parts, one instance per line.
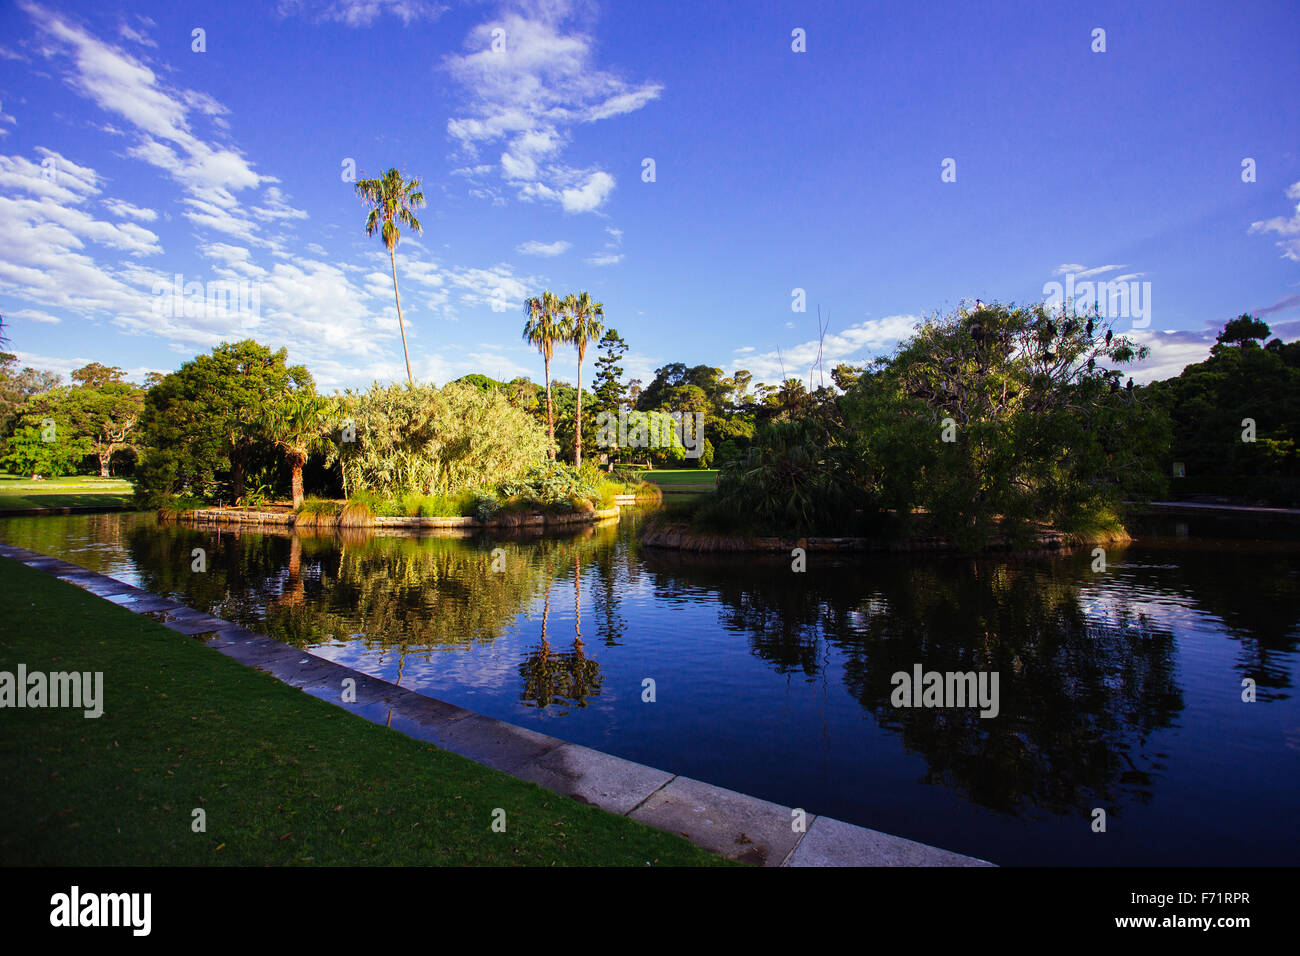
x=573 y=320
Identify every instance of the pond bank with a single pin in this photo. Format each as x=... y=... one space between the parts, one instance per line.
x=210 y=516
x=684 y=538
x=734 y=825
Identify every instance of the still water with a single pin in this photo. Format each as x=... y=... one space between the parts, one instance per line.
x=1119 y=690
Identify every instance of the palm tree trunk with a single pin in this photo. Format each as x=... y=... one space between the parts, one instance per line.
x=577 y=444
x=550 y=414
x=295 y=482
x=400 y=324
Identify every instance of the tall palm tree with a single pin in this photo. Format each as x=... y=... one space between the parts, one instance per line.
x=391 y=200
x=585 y=327
x=297 y=425
x=545 y=323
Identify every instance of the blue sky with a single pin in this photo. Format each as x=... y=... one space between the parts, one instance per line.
x=127 y=157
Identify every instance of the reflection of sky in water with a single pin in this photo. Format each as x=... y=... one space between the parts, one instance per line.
x=777 y=684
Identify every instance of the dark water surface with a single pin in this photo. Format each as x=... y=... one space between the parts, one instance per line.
x=1120 y=690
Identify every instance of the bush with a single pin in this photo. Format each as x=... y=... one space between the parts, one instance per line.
x=551 y=485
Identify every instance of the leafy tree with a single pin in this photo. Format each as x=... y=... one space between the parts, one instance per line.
x=392 y=200
x=610 y=393
x=17 y=386
x=200 y=423
x=1244 y=332
x=29 y=453
x=1003 y=415
x=96 y=375
x=102 y=411
x=1209 y=401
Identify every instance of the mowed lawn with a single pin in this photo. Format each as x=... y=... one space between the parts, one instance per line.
x=685 y=480
x=282 y=777
x=75 y=492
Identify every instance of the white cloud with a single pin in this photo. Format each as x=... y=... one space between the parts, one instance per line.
x=857 y=344
x=531 y=94
x=546 y=249
x=363 y=13
x=55 y=177
x=35 y=315
x=125 y=210
x=276 y=206
x=605 y=259
x=122 y=85
x=1083 y=272
x=1287 y=228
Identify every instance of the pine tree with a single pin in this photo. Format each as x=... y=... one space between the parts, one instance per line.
x=610 y=392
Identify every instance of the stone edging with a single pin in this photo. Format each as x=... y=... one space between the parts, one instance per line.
x=731 y=824
x=684 y=539
x=288 y=519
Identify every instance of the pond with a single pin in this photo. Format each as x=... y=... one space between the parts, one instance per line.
x=1120 y=689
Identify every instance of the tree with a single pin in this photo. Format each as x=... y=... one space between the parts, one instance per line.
x=1243 y=331
x=16 y=387
x=392 y=200
x=545 y=323
x=96 y=375
x=584 y=327
x=297 y=425
x=1208 y=402
x=34 y=451
x=610 y=392
x=199 y=424
x=1005 y=415
x=101 y=412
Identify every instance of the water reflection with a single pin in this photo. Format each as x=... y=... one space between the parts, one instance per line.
x=1118 y=690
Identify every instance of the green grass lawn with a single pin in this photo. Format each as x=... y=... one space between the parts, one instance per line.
x=670 y=478
x=284 y=778
x=77 y=491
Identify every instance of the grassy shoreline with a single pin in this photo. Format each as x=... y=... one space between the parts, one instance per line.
x=76 y=492
x=284 y=778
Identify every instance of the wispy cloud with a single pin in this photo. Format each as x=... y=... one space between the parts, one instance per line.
x=546 y=249
x=530 y=81
x=857 y=344
x=362 y=13
x=1287 y=228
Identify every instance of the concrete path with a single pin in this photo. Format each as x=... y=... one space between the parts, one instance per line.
x=732 y=824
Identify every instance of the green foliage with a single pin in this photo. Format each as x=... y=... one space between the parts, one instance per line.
x=1039 y=428
x=1209 y=401
x=551 y=485
x=610 y=391
x=27 y=453
x=17 y=386
x=792 y=480
x=431 y=441
x=201 y=424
